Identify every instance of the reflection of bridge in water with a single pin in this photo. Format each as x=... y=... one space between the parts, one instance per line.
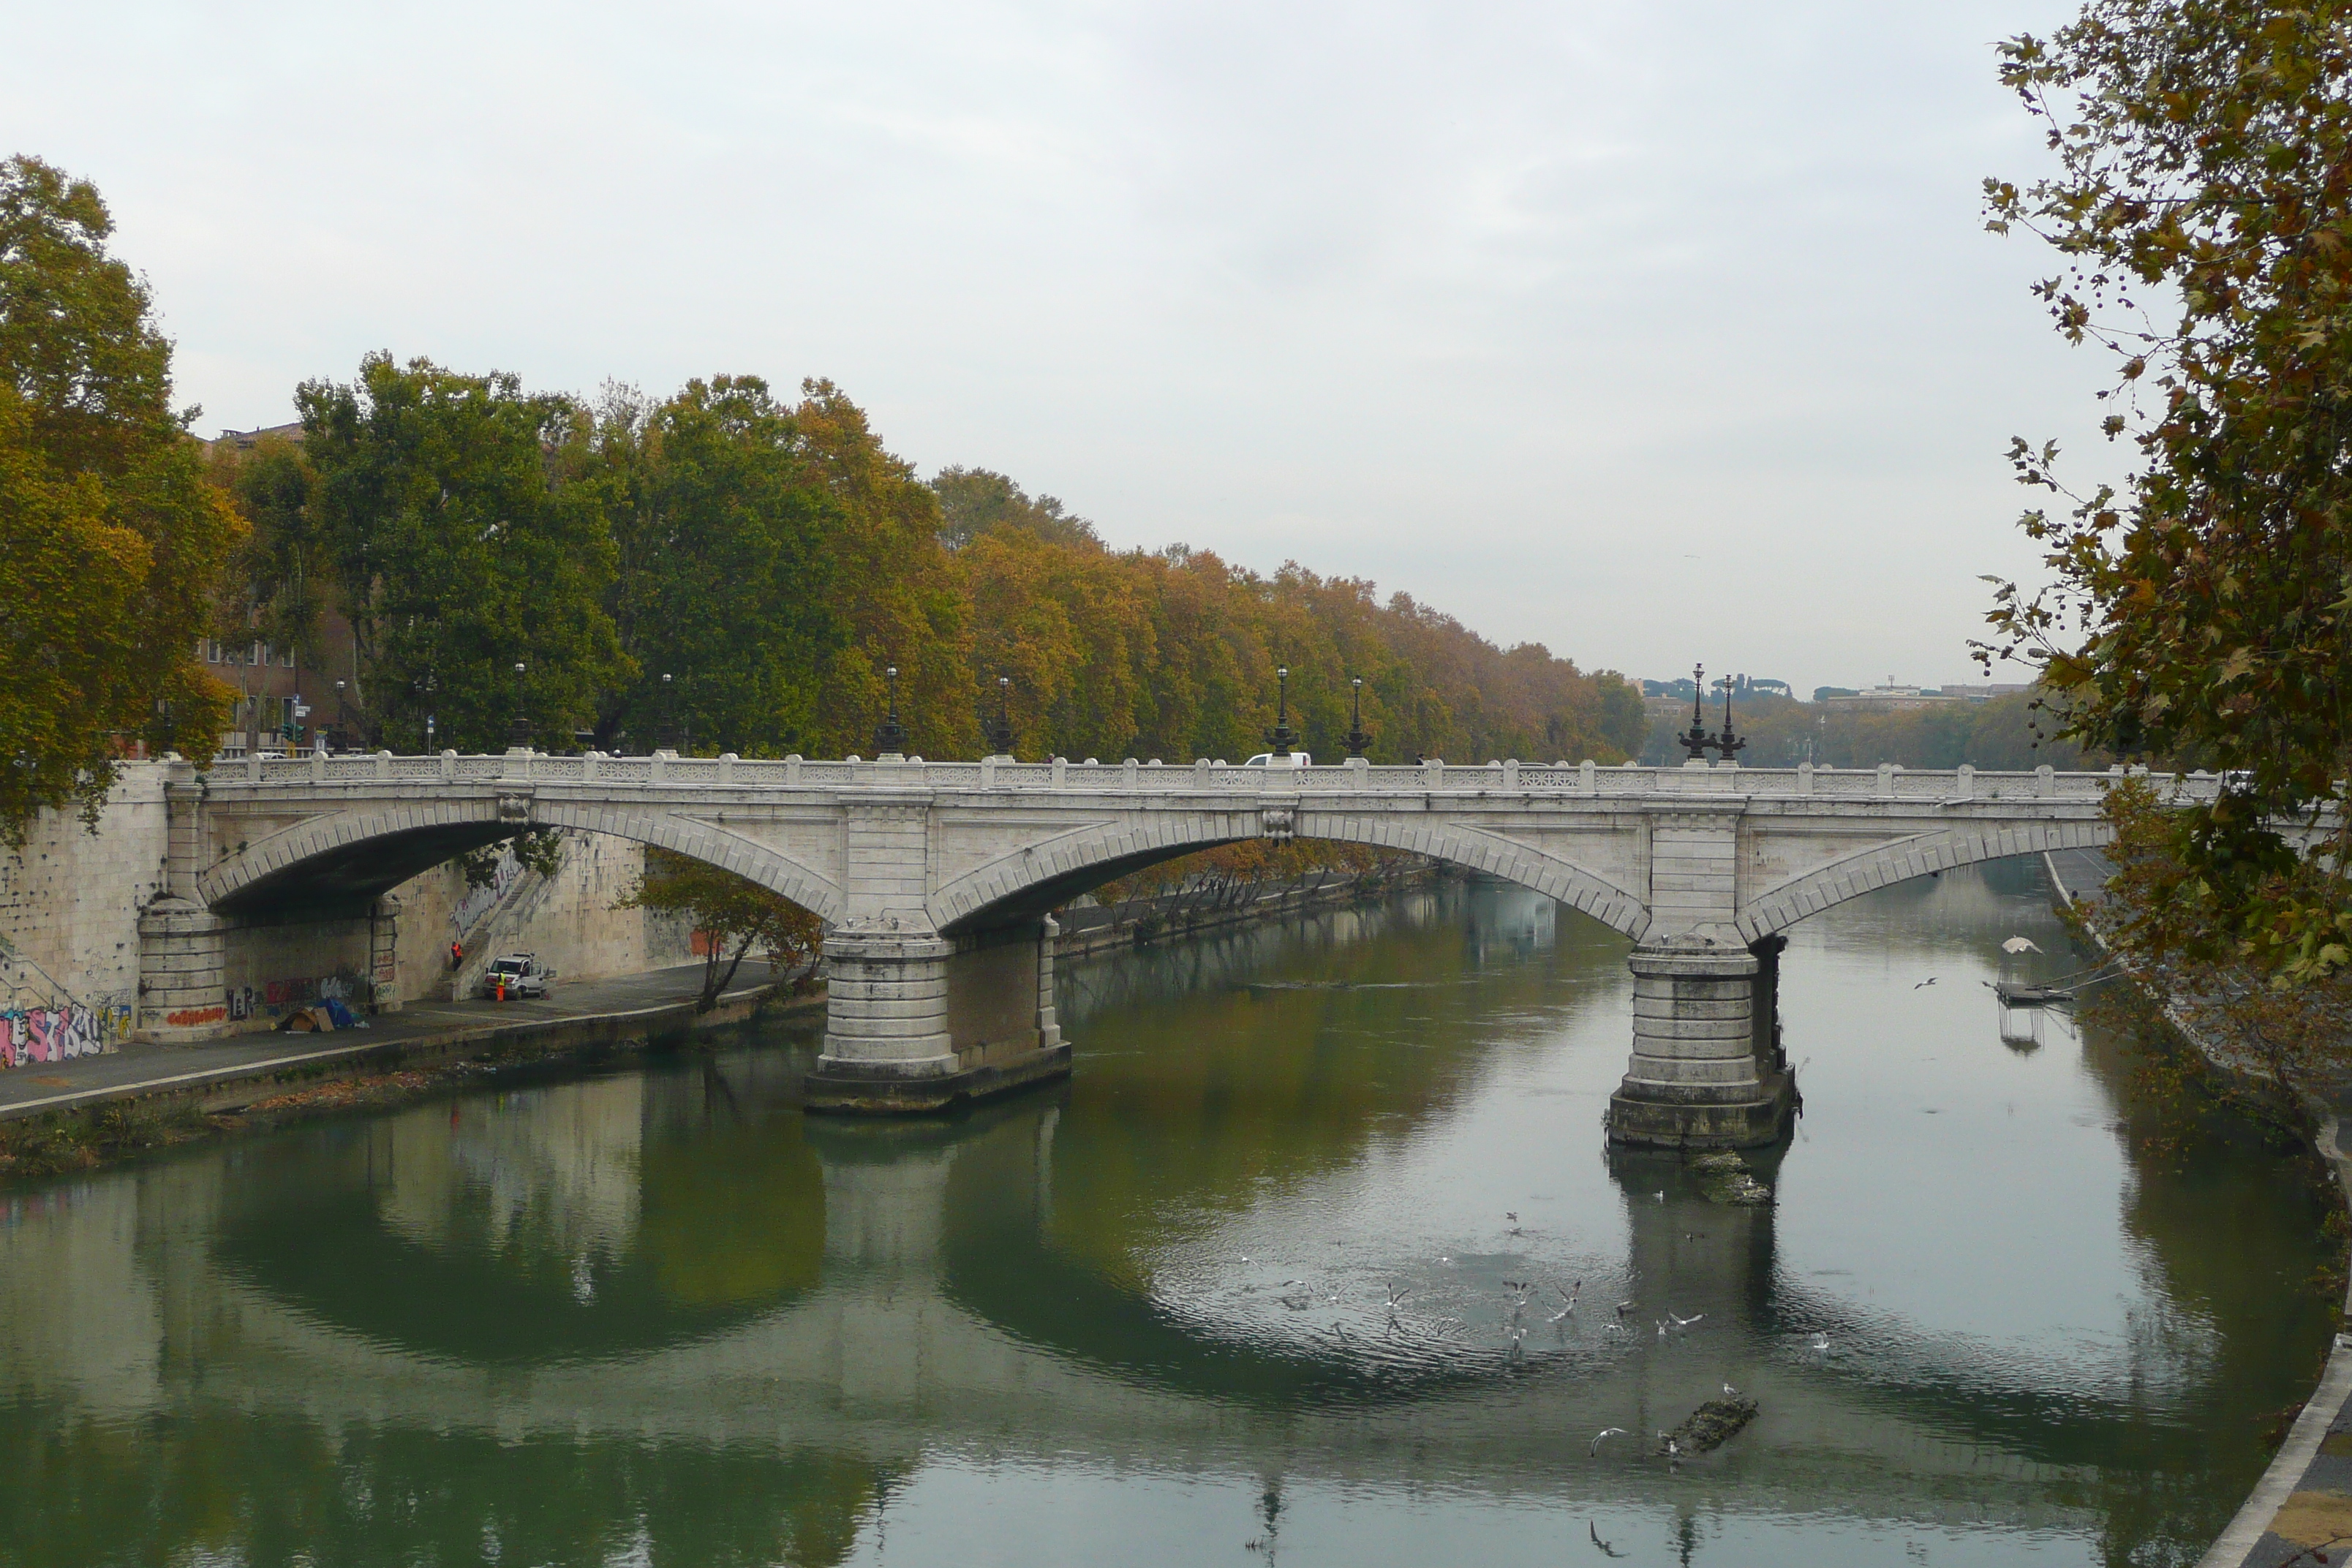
x=937 y=880
x=667 y=1260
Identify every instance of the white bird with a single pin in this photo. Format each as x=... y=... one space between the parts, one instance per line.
x=1606 y=1433
x=1396 y=1296
x=1660 y=1195
x=1623 y=1308
x=1729 y=1392
x=1821 y=1344
x=1684 y=1322
x=1662 y=1328
x=1612 y=1328
x=1929 y=980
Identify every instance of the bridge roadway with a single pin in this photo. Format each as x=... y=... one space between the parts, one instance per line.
x=937 y=880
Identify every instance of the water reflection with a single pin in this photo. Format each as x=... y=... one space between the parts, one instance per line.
x=1253 y=1274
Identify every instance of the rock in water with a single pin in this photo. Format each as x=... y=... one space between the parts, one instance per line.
x=1712 y=1425
x=1725 y=1179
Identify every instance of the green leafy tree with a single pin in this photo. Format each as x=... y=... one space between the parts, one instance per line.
x=2201 y=212
x=731 y=916
x=111 y=540
x=463 y=542
x=725 y=581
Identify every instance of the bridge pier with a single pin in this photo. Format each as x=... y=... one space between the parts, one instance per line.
x=1708 y=1070
x=918 y=1023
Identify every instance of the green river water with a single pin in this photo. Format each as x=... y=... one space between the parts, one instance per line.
x=654 y=1316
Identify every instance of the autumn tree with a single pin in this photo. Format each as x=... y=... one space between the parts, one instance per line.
x=974 y=501
x=731 y=916
x=892 y=588
x=462 y=543
x=111 y=538
x=2201 y=214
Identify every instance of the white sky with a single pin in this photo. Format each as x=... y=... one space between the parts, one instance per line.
x=1650 y=332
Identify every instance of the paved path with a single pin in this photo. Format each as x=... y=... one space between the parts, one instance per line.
x=662 y=998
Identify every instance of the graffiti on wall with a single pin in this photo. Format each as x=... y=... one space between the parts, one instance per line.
x=29 y=1035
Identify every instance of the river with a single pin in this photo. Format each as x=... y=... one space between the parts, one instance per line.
x=654 y=1316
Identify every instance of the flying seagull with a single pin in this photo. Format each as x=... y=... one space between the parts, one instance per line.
x=1605 y=1435
x=1684 y=1322
x=1929 y=980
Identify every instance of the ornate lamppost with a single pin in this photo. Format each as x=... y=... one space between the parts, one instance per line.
x=519 y=733
x=1697 y=742
x=1729 y=744
x=1356 y=741
x=998 y=731
x=669 y=742
x=890 y=736
x=1281 y=736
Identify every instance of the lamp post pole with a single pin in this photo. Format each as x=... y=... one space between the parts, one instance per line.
x=999 y=728
x=519 y=733
x=1280 y=737
x=669 y=714
x=1356 y=741
x=890 y=736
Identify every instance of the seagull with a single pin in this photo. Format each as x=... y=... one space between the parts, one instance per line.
x=1661 y=1194
x=1604 y=1546
x=1396 y=1296
x=1684 y=1322
x=1662 y=1328
x=1623 y=1308
x=1612 y=1328
x=1511 y=1214
x=1568 y=1297
x=1605 y=1435
x=1729 y=1392
x=1821 y=1344
x=1929 y=980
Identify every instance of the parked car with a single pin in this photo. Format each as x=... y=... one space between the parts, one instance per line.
x=1296 y=759
x=515 y=974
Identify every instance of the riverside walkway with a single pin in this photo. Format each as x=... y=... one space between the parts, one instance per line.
x=586 y=1013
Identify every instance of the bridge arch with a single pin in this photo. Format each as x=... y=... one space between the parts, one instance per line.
x=362 y=852
x=1922 y=855
x=1042 y=875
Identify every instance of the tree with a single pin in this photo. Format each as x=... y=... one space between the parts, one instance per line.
x=463 y=542
x=110 y=539
x=729 y=914
x=725 y=581
x=974 y=501
x=892 y=588
x=2202 y=210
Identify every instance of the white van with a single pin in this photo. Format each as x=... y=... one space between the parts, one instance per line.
x=1296 y=759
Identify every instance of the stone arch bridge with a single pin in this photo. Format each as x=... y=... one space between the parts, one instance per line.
x=937 y=880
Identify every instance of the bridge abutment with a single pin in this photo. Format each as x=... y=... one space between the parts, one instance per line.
x=1707 y=1070
x=919 y=1023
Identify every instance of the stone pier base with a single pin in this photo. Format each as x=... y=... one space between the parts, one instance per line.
x=919 y=1024
x=1708 y=1071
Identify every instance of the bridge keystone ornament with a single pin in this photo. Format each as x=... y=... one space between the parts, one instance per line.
x=938 y=881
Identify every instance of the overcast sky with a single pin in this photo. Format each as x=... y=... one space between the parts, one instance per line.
x=1654 y=332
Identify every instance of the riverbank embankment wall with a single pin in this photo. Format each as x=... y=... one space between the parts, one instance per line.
x=72 y=896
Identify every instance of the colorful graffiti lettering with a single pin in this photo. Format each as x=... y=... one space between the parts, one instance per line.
x=29 y=1035
x=189 y=1018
